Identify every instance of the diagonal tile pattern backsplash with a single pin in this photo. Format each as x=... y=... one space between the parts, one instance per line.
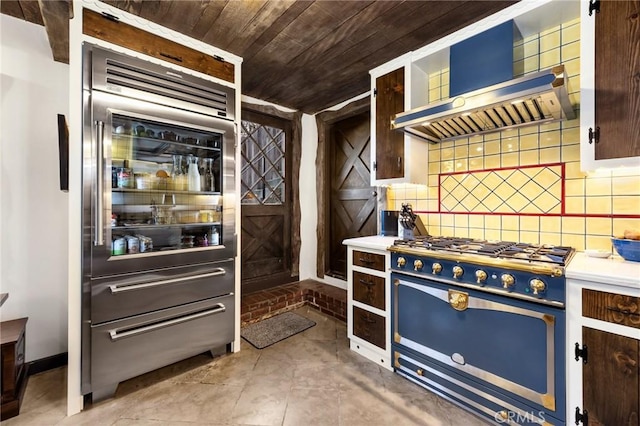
x=527 y=190
x=596 y=205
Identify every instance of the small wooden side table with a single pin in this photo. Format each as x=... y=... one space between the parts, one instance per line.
x=14 y=369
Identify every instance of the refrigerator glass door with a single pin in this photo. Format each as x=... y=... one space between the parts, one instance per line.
x=162 y=195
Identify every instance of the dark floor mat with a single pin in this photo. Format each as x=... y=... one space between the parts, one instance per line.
x=272 y=330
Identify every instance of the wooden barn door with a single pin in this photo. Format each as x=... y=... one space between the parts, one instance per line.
x=352 y=202
x=265 y=202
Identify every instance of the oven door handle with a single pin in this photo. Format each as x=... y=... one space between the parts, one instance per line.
x=115 y=288
x=115 y=335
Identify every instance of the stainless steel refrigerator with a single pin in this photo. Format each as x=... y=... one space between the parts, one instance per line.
x=158 y=218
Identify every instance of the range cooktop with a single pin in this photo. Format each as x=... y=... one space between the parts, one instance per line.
x=558 y=255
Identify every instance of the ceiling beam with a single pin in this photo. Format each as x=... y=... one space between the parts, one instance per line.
x=56 y=15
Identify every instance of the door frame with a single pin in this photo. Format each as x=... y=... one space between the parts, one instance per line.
x=325 y=122
x=295 y=149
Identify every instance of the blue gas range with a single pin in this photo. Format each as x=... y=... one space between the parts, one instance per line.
x=482 y=323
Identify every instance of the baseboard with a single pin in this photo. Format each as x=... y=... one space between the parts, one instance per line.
x=48 y=363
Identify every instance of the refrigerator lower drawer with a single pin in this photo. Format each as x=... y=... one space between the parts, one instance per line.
x=127 y=348
x=134 y=294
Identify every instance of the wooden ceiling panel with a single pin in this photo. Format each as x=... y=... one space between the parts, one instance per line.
x=233 y=19
x=31 y=10
x=303 y=54
x=259 y=24
x=11 y=8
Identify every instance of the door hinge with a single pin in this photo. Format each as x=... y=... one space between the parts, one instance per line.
x=594 y=136
x=594 y=5
x=375 y=166
x=375 y=92
x=581 y=353
x=582 y=417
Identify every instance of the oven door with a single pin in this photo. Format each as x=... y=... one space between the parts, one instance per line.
x=506 y=346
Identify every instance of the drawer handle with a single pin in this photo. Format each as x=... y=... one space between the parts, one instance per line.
x=366 y=260
x=622 y=311
x=115 y=288
x=116 y=335
x=365 y=318
x=367 y=283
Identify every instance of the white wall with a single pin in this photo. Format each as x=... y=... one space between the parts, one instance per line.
x=33 y=210
x=308 y=199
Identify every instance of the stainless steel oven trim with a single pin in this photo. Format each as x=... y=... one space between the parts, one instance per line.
x=116 y=334
x=492 y=290
x=461 y=384
x=547 y=400
x=116 y=288
x=551 y=269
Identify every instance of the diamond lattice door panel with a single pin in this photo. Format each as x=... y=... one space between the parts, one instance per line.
x=523 y=190
x=265 y=206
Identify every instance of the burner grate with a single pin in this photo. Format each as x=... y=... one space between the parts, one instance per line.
x=498 y=249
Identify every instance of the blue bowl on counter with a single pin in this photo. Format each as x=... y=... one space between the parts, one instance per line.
x=627 y=249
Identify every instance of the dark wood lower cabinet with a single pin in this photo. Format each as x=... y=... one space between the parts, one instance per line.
x=611 y=381
x=369 y=326
x=14 y=369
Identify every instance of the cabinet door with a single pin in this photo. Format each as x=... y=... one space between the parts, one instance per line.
x=617 y=79
x=610 y=378
x=389 y=145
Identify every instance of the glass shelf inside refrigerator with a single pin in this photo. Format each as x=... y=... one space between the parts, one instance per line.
x=165 y=187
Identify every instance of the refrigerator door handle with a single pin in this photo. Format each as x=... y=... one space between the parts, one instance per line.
x=116 y=335
x=115 y=288
x=98 y=201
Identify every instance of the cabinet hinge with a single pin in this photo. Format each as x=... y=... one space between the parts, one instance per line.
x=375 y=166
x=594 y=5
x=582 y=417
x=594 y=136
x=581 y=353
x=375 y=92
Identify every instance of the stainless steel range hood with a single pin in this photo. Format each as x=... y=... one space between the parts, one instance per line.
x=535 y=98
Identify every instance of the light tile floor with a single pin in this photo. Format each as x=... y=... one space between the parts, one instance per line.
x=311 y=378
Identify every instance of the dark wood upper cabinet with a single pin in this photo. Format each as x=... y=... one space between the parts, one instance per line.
x=617 y=79
x=389 y=143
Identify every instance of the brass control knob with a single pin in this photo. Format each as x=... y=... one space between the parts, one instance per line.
x=457 y=271
x=481 y=276
x=417 y=265
x=507 y=280
x=401 y=262
x=538 y=286
x=502 y=416
x=436 y=268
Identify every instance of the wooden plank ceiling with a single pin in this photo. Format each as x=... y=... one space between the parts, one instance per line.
x=307 y=55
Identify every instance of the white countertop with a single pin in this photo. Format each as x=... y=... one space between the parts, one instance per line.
x=376 y=242
x=613 y=271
